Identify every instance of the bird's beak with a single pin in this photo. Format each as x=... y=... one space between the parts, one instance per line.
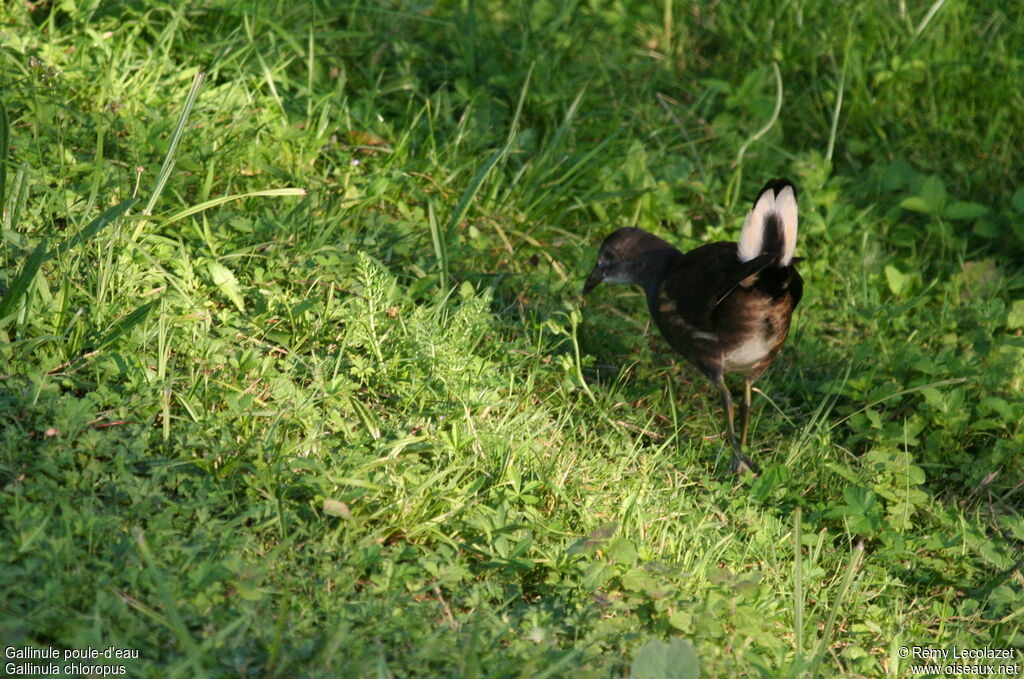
x=595 y=277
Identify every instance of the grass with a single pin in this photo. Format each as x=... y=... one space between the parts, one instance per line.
x=296 y=380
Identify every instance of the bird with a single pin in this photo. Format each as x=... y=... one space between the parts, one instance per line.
x=726 y=307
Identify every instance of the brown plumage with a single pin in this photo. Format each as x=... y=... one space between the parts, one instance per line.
x=726 y=307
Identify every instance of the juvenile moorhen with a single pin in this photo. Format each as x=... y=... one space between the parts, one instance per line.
x=726 y=307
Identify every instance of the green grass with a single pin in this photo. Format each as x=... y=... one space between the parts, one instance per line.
x=367 y=426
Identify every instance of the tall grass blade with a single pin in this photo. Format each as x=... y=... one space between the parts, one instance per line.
x=474 y=186
x=440 y=246
x=929 y=15
x=823 y=643
x=575 y=320
x=220 y=200
x=92 y=228
x=19 y=287
x=175 y=622
x=897 y=394
x=16 y=202
x=5 y=142
x=732 y=191
x=839 y=103
x=125 y=324
x=771 y=121
x=514 y=126
x=798 y=583
x=165 y=170
x=666 y=30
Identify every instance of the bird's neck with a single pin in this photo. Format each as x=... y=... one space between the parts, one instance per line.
x=653 y=267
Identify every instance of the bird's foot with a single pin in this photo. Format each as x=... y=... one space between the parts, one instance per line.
x=742 y=464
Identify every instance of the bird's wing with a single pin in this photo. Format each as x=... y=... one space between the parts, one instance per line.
x=704 y=277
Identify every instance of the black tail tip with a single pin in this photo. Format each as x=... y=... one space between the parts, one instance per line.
x=777 y=184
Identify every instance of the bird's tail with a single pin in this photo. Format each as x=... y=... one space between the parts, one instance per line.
x=770 y=228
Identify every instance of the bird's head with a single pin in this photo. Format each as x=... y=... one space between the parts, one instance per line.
x=630 y=255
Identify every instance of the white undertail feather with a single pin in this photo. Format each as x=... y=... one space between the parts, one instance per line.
x=752 y=235
x=785 y=203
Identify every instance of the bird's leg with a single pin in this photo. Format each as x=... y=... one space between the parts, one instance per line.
x=740 y=462
x=745 y=411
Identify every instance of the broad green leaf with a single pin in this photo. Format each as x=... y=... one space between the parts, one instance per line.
x=1018 y=200
x=964 y=210
x=980 y=276
x=657 y=659
x=227 y=283
x=896 y=279
x=998 y=405
x=933 y=192
x=897 y=175
x=917 y=204
x=681 y=620
x=595 y=539
x=995 y=554
x=638 y=580
x=860 y=510
x=1014 y=525
x=1014 y=319
x=621 y=550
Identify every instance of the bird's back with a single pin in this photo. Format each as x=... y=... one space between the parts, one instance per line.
x=725 y=315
